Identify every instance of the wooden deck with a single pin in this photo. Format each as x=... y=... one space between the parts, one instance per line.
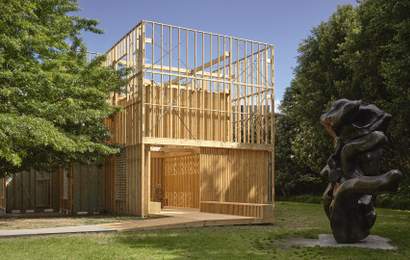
x=171 y=218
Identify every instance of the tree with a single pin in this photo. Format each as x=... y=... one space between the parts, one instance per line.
x=52 y=99
x=362 y=53
x=318 y=77
x=379 y=55
x=291 y=177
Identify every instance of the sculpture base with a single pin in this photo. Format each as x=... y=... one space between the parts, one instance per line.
x=327 y=240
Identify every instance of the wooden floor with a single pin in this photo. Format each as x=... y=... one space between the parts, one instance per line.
x=171 y=218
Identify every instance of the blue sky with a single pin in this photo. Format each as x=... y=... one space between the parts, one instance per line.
x=284 y=23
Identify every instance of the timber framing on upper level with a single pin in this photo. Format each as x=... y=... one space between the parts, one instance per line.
x=193 y=86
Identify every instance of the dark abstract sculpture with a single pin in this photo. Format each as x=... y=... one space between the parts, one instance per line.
x=354 y=168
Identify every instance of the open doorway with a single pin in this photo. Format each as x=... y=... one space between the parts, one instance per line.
x=175 y=177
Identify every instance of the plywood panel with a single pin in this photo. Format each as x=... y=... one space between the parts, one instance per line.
x=181 y=181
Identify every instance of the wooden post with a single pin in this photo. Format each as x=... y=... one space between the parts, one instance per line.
x=238 y=108
x=162 y=92
x=203 y=127
x=152 y=87
x=147 y=180
x=251 y=115
x=188 y=91
x=142 y=148
x=273 y=125
x=171 y=103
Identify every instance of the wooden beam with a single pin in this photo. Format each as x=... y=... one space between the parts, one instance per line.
x=202 y=68
x=236 y=203
x=205 y=143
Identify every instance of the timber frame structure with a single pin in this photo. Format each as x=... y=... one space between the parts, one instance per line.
x=196 y=130
x=196 y=103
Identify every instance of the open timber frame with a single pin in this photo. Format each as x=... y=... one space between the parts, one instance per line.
x=196 y=130
x=198 y=96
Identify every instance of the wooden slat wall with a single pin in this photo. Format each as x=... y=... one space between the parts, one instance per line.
x=43 y=190
x=127 y=200
x=157 y=171
x=56 y=190
x=231 y=175
x=109 y=172
x=88 y=188
x=134 y=176
x=124 y=126
x=234 y=181
x=210 y=123
x=2 y=194
x=181 y=181
x=66 y=203
x=33 y=190
x=121 y=182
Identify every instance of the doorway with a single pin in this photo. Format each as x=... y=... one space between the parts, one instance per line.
x=175 y=177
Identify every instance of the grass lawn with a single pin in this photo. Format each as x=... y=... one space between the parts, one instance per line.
x=242 y=242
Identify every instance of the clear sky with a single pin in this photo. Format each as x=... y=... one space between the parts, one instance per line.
x=284 y=23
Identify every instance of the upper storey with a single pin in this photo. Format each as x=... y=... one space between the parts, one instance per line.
x=188 y=84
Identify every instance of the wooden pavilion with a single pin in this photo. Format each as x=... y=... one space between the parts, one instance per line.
x=196 y=130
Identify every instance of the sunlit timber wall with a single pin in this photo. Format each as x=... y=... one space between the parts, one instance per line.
x=191 y=88
x=236 y=181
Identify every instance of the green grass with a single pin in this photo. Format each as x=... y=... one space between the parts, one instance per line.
x=241 y=242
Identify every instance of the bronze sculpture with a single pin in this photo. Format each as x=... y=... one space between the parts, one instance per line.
x=354 y=168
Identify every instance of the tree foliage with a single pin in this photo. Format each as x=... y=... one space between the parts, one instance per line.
x=292 y=177
x=52 y=98
x=362 y=53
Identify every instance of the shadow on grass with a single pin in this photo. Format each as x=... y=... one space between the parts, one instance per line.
x=205 y=243
x=266 y=242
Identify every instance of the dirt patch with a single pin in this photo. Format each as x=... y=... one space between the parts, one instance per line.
x=42 y=222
